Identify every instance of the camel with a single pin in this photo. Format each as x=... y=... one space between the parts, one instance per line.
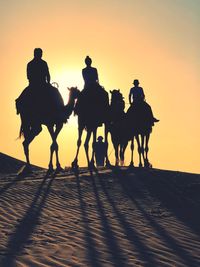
x=139 y=128
x=116 y=126
x=31 y=122
x=125 y=127
x=92 y=108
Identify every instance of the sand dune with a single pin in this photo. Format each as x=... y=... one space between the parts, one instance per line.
x=113 y=218
x=11 y=165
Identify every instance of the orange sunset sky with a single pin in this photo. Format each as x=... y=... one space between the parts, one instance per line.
x=155 y=41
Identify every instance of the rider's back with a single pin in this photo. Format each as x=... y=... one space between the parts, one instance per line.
x=90 y=76
x=137 y=93
x=37 y=71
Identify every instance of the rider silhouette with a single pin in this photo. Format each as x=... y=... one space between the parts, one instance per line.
x=90 y=74
x=37 y=70
x=39 y=96
x=137 y=98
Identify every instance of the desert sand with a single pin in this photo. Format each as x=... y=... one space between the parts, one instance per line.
x=119 y=217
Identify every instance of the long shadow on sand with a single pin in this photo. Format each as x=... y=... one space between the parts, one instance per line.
x=128 y=183
x=107 y=231
x=21 y=236
x=92 y=253
x=133 y=236
x=167 y=192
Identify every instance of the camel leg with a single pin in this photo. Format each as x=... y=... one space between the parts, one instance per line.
x=93 y=146
x=106 y=143
x=54 y=146
x=121 y=156
x=147 y=163
x=122 y=152
x=75 y=162
x=86 y=145
x=116 y=147
x=132 y=149
x=51 y=131
x=139 y=149
x=29 y=135
x=142 y=148
x=57 y=131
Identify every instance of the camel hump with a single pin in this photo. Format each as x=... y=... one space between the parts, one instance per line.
x=41 y=103
x=140 y=117
x=93 y=104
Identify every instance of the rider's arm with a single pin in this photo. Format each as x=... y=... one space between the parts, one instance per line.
x=28 y=72
x=83 y=74
x=48 y=74
x=142 y=94
x=130 y=97
x=97 y=77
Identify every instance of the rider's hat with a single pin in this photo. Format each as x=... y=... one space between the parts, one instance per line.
x=136 y=81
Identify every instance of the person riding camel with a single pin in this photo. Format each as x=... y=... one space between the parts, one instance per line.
x=39 y=97
x=90 y=74
x=137 y=99
x=37 y=70
x=93 y=98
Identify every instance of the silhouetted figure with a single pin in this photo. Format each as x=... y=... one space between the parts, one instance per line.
x=125 y=127
x=136 y=93
x=40 y=96
x=41 y=104
x=93 y=97
x=33 y=119
x=117 y=129
x=100 y=152
x=92 y=110
x=90 y=74
x=37 y=70
x=137 y=99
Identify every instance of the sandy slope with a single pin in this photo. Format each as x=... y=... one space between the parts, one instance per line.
x=9 y=164
x=115 y=218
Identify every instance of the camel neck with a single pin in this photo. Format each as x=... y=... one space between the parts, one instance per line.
x=71 y=102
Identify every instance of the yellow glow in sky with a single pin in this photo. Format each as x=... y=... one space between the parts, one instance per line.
x=155 y=41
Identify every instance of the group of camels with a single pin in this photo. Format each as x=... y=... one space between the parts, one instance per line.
x=93 y=109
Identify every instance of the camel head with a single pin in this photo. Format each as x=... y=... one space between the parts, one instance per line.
x=116 y=94
x=73 y=92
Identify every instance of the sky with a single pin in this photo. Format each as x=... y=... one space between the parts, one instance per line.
x=155 y=41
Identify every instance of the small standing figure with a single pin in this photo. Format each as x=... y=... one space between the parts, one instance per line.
x=137 y=99
x=100 y=152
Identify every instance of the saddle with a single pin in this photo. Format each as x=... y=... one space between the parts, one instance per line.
x=41 y=103
x=93 y=104
x=140 y=117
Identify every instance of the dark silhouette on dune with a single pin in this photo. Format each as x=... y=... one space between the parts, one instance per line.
x=140 y=120
x=92 y=109
x=136 y=123
x=119 y=135
x=41 y=103
x=137 y=97
x=100 y=151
